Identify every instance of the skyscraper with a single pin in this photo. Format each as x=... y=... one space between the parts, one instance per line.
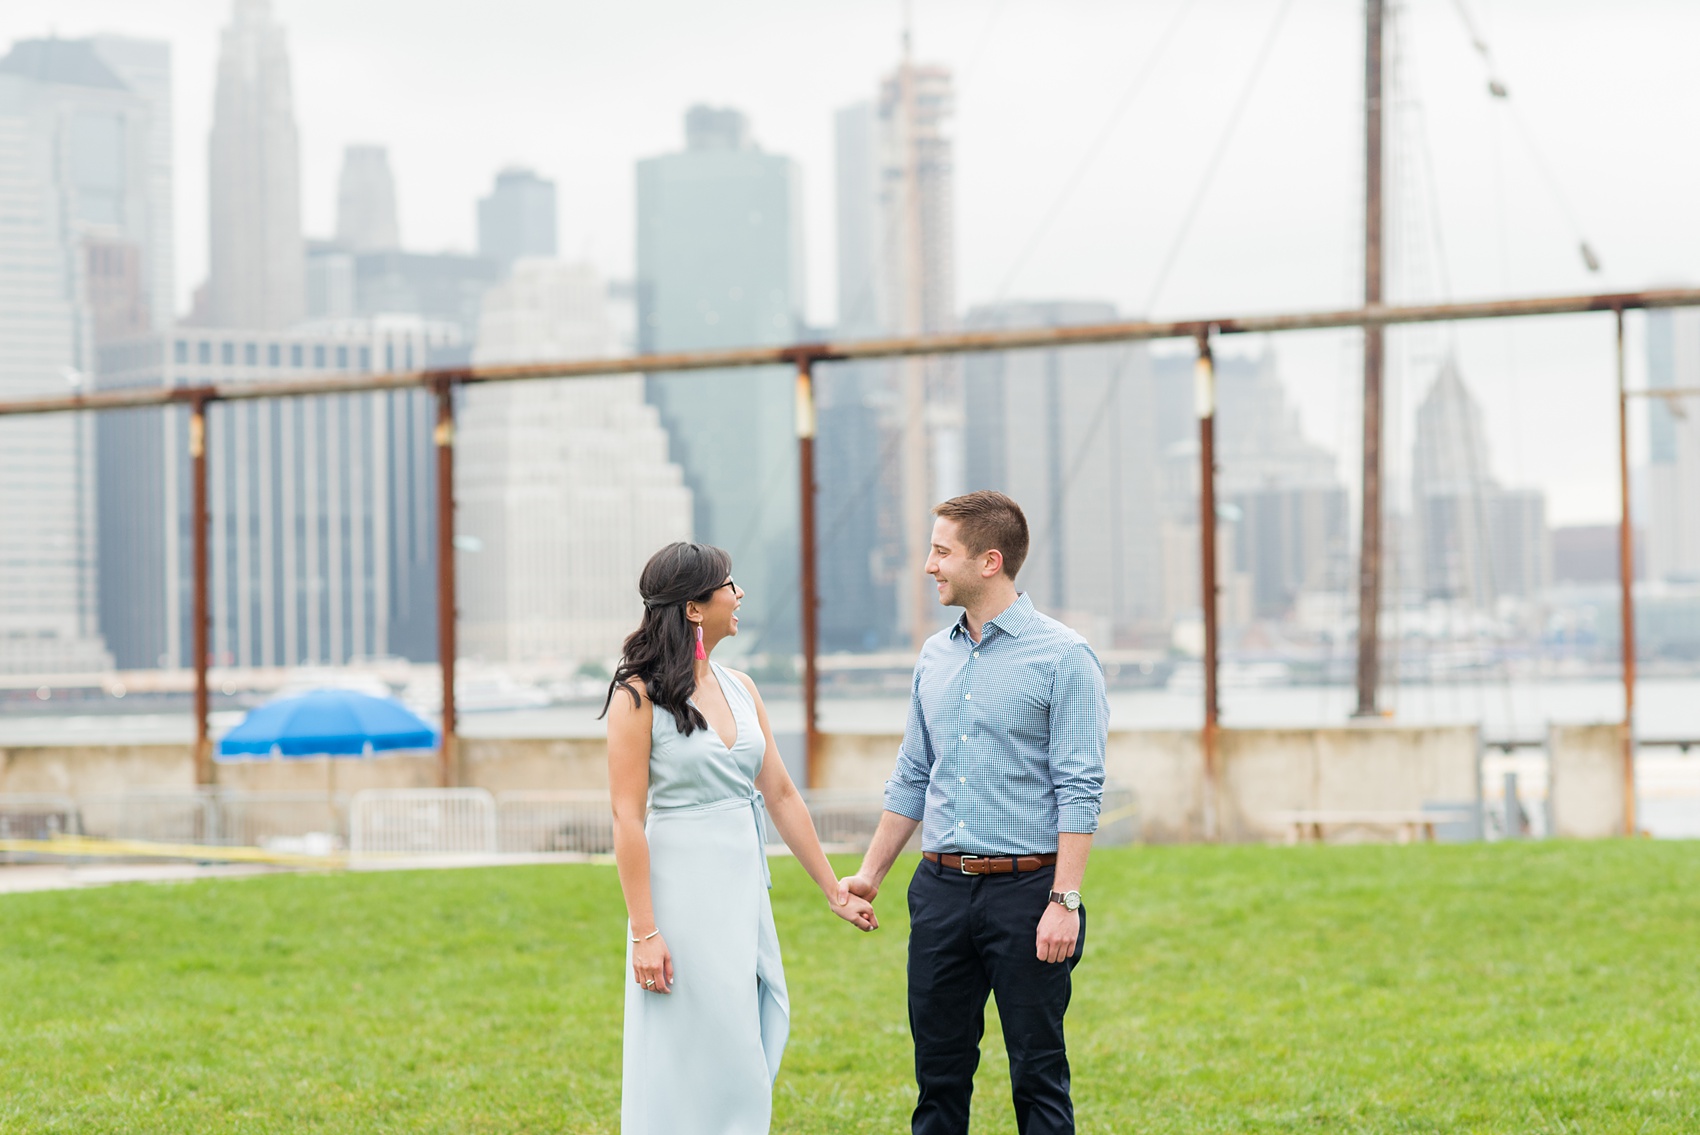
x=1291 y=527
x=1479 y=542
x=322 y=509
x=1071 y=434
x=257 y=277
x=861 y=546
x=517 y=218
x=897 y=275
x=1673 y=433
x=145 y=67
x=917 y=197
x=720 y=264
x=565 y=487
x=365 y=201
x=446 y=286
x=76 y=215
x=1281 y=502
x=865 y=298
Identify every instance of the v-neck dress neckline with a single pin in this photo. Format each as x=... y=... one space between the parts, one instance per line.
x=720 y=684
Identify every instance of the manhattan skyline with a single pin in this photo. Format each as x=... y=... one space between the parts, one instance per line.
x=563 y=91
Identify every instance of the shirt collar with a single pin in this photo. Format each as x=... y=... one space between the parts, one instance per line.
x=1012 y=620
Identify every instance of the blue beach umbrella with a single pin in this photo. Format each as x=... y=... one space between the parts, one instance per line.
x=328 y=722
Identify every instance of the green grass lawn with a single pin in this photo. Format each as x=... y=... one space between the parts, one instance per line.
x=1518 y=988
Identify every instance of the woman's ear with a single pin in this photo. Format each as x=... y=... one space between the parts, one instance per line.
x=693 y=612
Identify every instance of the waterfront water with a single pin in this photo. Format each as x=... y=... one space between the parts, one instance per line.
x=1668 y=708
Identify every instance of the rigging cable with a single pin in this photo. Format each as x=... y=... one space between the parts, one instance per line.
x=1096 y=147
x=1499 y=91
x=986 y=31
x=1112 y=387
x=1204 y=184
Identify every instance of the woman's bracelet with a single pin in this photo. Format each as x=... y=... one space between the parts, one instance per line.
x=648 y=936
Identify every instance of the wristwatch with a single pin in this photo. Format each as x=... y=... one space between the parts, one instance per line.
x=1070 y=900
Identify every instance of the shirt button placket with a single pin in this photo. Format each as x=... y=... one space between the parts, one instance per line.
x=967 y=723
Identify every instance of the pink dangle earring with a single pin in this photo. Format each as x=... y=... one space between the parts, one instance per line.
x=702 y=655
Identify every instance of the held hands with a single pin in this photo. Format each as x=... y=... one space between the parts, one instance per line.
x=853 y=907
x=1059 y=929
x=652 y=965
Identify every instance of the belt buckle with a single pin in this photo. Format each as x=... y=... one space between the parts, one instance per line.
x=962 y=866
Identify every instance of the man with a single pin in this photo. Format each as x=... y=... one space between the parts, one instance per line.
x=1002 y=764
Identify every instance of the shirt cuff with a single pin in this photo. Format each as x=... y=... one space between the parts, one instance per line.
x=1076 y=819
x=904 y=800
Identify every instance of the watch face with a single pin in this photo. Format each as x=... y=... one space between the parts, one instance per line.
x=1072 y=900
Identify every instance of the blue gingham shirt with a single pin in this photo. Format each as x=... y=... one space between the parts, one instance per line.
x=1004 y=746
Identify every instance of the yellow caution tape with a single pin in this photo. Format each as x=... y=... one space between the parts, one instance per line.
x=88 y=847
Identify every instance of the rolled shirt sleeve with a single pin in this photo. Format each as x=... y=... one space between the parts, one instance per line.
x=1080 y=722
x=906 y=791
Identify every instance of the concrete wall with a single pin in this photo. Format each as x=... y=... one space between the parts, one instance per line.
x=1370 y=767
x=502 y=764
x=335 y=774
x=1165 y=769
x=496 y=764
x=1585 y=780
x=856 y=762
x=1375 y=767
x=96 y=770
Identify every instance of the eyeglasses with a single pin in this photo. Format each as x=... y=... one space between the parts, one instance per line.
x=732 y=583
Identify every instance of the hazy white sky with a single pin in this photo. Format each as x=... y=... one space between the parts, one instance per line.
x=581 y=90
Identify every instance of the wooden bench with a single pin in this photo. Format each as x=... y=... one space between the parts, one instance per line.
x=1307 y=826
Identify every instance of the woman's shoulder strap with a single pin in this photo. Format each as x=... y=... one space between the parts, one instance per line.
x=734 y=680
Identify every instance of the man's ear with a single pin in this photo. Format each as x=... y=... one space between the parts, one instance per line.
x=993 y=564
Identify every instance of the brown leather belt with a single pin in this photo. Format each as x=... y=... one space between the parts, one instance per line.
x=990 y=864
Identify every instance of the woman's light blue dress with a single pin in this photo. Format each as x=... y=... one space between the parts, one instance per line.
x=703 y=1058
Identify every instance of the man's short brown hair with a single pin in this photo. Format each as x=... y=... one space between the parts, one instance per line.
x=988 y=520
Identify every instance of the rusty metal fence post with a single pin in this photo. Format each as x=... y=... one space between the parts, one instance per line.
x=1626 y=578
x=1375 y=340
x=810 y=599
x=201 y=615
x=448 y=753
x=1204 y=391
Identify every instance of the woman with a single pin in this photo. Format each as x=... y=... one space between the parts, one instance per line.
x=707 y=1013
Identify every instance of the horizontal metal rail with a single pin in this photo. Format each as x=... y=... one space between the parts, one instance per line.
x=963 y=342
x=1505 y=745
x=1664 y=392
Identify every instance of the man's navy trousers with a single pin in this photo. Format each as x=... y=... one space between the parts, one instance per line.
x=970 y=935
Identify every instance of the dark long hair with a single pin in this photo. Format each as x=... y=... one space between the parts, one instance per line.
x=662 y=651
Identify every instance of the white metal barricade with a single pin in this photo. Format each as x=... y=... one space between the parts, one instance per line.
x=845 y=818
x=422 y=821
x=545 y=821
x=37 y=815
x=154 y=817
x=307 y=823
